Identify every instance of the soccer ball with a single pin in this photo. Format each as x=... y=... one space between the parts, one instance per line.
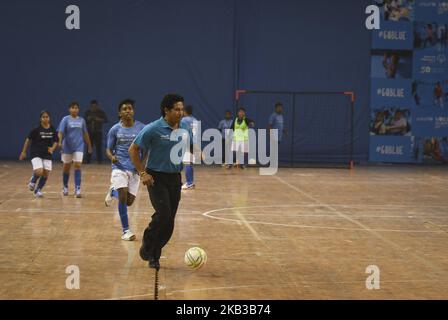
x=195 y=258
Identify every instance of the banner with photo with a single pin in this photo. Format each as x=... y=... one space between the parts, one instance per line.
x=409 y=83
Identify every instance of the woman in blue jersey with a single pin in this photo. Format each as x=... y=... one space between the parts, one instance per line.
x=124 y=179
x=44 y=141
x=72 y=132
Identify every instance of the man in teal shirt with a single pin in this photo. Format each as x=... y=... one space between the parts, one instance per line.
x=161 y=175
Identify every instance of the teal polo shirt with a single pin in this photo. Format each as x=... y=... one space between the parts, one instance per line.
x=155 y=138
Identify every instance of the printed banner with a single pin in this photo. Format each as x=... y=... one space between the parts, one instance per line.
x=409 y=85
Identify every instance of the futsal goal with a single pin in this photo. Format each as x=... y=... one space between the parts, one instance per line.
x=319 y=129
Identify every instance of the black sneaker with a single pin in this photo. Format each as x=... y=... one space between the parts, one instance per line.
x=154 y=264
x=144 y=254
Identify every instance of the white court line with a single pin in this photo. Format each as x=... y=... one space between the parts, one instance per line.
x=190 y=290
x=298 y=215
x=380 y=206
x=373 y=232
x=439 y=179
x=285 y=285
x=219 y=288
x=248 y=226
x=341 y=216
x=112 y=211
x=132 y=297
x=207 y=214
x=362 y=226
x=4 y=175
x=413 y=180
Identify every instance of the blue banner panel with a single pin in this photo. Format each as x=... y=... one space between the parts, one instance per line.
x=430 y=122
x=391 y=149
x=393 y=35
x=387 y=92
x=402 y=10
x=431 y=93
x=431 y=149
x=431 y=10
x=391 y=64
x=430 y=64
x=391 y=121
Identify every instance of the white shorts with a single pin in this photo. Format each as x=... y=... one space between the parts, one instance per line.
x=241 y=146
x=69 y=157
x=39 y=163
x=125 y=179
x=188 y=158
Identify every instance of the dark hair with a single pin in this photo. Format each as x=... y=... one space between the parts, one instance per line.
x=169 y=101
x=278 y=104
x=228 y=111
x=126 y=101
x=72 y=104
x=188 y=109
x=93 y=102
x=241 y=109
x=42 y=113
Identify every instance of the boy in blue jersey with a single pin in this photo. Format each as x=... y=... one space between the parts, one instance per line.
x=124 y=179
x=72 y=133
x=161 y=175
x=192 y=123
x=224 y=126
x=276 y=121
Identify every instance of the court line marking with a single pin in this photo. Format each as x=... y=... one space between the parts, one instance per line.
x=298 y=215
x=413 y=180
x=322 y=227
x=371 y=231
x=64 y=211
x=4 y=175
x=190 y=290
x=208 y=215
x=438 y=178
x=303 y=284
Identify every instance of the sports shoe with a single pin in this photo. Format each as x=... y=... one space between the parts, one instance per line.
x=78 y=193
x=143 y=254
x=187 y=186
x=64 y=191
x=108 y=200
x=38 y=193
x=31 y=186
x=154 y=264
x=128 y=236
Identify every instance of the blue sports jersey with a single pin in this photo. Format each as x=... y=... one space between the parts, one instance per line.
x=276 y=121
x=191 y=123
x=155 y=138
x=224 y=125
x=119 y=139
x=73 y=130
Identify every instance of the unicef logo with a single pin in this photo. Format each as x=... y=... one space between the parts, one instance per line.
x=441 y=58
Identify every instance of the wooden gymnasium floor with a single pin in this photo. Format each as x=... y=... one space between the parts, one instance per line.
x=302 y=234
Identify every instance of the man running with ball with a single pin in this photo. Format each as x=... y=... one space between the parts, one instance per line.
x=161 y=175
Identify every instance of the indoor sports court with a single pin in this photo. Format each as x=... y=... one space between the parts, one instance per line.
x=302 y=234
x=310 y=138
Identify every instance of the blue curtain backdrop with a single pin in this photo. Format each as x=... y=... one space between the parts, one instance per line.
x=201 y=49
